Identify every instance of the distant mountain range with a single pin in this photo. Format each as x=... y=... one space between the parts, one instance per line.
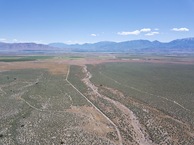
x=23 y=47
x=185 y=45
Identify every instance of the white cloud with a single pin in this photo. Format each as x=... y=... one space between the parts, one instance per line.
x=156 y=29
x=94 y=35
x=180 y=29
x=15 y=40
x=145 y=30
x=3 y=39
x=136 y=32
x=152 y=33
x=73 y=42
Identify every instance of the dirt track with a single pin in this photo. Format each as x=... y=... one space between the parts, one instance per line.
x=118 y=132
x=139 y=135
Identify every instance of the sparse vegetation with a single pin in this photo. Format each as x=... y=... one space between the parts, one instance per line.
x=129 y=102
x=37 y=107
x=154 y=92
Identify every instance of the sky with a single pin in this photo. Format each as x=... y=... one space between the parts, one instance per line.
x=90 y=21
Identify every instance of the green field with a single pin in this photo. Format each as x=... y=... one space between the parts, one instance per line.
x=23 y=58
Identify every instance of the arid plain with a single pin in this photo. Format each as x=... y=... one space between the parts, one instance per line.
x=96 y=99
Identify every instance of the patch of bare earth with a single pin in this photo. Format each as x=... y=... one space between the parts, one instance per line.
x=158 y=120
x=115 y=92
x=54 y=67
x=59 y=66
x=94 y=61
x=129 y=120
x=93 y=121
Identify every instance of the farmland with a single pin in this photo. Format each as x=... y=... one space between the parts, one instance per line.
x=114 y=99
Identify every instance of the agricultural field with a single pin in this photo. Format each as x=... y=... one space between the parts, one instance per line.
x=23 y=58
x=100 y=99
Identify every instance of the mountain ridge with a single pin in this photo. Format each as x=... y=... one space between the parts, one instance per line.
x=178 y=45
x=135 y=46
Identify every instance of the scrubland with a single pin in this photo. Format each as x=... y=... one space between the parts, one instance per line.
x=108 y=99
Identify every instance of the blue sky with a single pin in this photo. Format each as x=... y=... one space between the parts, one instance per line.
x=81 y=21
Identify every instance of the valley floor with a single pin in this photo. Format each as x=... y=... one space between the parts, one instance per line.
x=91 y=101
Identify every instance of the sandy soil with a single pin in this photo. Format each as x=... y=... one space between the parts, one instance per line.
x=139 y=135
x=94 y=121
x=59 y=66
x=54 y=67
